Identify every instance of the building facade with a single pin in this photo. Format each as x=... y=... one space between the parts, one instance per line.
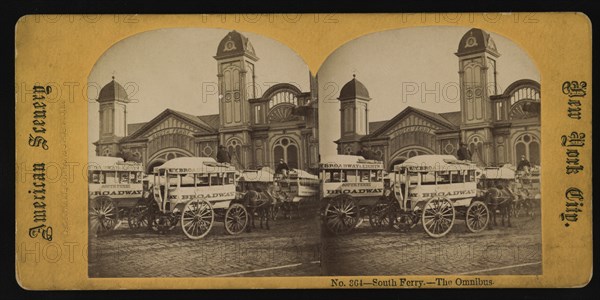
x=498 y=128
x=257 y=130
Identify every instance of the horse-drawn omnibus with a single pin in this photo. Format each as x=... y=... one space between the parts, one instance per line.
x=434 y=189
x=300 y=190
x=196 y=192
x=114 y=190
x=348 y=183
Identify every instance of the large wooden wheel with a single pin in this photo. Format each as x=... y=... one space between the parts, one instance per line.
x=404 y=221
x=138 y=216
x=438 y=216
x=341 y=214
x=380 y=214
x=236 y=219
x=477 y=216
x=197 y=218
x=104 y=214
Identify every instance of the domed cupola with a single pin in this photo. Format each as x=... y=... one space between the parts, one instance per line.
x=354 y=89
x=235 y=44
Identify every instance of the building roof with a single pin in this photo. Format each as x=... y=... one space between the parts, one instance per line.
x=211 y=120
x=235 y=44
x=113 y=91
x=475 y=41
x=451 y=120
x=354 y=89
x=373 y=126
x=453 y=117
x=131 y=128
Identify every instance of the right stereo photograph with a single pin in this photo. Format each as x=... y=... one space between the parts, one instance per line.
x=430 y=155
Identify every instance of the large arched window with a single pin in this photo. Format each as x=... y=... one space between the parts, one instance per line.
x=234 y=146
x=287 y=149
x=528 y=145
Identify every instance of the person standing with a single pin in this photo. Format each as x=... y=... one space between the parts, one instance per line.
x=463 y=152
x=524 y=165
x=223 y=155
x=282 y=168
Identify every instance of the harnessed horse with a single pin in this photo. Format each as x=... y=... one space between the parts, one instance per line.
x=500 y=198
x=260 y=203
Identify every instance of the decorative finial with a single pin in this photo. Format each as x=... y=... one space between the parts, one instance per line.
x=353 y=75
x=113 y=75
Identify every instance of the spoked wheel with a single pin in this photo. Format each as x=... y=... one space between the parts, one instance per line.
x=404 y=221
x=138 y=216
x=236 y=219
x=197 y=218
x=380 y=214
x=438 y=216
x=104 y=214
x=477 y=217
x=341 y=215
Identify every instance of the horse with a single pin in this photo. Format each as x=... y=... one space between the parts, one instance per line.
x=500 y=198
x=257 y=202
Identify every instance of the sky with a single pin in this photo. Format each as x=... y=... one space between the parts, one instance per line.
x=406 y=67
x=175 y=68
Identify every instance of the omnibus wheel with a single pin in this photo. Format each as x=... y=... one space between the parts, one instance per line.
x=380 y=214
x=403 y=221
x=477 y=216
x=236 y=219
x=438 y=216
x=197 y=218
x=138 y=216
x=104 y=214
x=341 y=214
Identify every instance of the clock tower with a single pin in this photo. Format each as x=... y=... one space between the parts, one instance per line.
x=477 y=55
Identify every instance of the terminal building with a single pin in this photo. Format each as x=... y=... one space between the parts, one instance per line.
x=497 y=128
x=257 y=130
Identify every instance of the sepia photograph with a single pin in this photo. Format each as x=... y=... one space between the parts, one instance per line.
x=430 y=160
x=203 y=157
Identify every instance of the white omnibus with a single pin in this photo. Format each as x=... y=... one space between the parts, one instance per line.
x=114 y=186
x=348 y=183
x=434 y=188
x=197 y=191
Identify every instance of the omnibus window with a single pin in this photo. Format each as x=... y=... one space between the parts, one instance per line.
x=135 y=177
x=379 y=176
x=365 y=175
x=443 y=177
x=187 y=180
x=470 y=176
x=110 y=177
x=123 y=177
x=202 y=180
x=351 y=176
x=173 y=180
x=428 y=178
x=94 y=177
x=229 y=178
x=334 y=176
x=457 y=176
x=215 y=179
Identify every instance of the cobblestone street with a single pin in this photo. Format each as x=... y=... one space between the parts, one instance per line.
x=514 y=250
x=294 y=247
x=290 y=248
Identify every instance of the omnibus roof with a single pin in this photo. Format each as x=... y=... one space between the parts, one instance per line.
x=303 y=174
x=349 y=162
x=498 y=173
x=428 y=163
x=184 y=165
x=265 y=174
x=109 y=163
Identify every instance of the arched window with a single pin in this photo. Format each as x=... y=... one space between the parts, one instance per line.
x=476 y=148
x=528 y=145
x=286 y=149
x=234 y=147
